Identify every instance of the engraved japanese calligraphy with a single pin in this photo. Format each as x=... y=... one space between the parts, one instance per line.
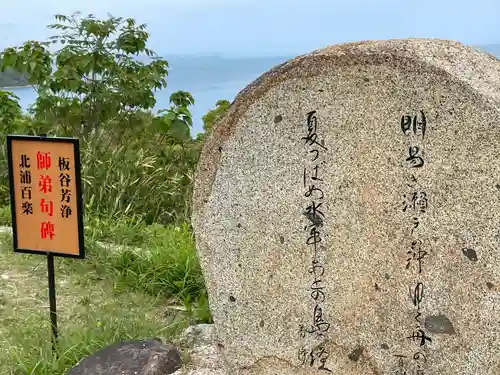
x=346 y=214
x=315 y=356
x=415 y=204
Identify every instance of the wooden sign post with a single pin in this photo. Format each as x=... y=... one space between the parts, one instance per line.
x=46 y=202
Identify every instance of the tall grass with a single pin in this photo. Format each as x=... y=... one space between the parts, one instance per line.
x=153 y=259
x=141 y=177
x=135 y=172
x=137 y=187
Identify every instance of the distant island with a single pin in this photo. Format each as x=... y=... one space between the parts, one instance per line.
x=11 y=78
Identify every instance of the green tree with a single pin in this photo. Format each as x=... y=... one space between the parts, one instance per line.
x=10 y=112
x=100 y=75
x=214 y=115
x=176 y=121
x=96 y=80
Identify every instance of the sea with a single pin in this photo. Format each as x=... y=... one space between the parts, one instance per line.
x=208 y=79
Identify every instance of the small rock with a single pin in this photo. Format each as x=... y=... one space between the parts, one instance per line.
x=145 y=357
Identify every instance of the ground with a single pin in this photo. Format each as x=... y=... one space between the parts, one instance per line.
x=93 y=311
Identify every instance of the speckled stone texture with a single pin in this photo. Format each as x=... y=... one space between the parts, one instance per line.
x=365 y=239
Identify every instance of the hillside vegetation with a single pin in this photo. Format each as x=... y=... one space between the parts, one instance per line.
x=141 y=277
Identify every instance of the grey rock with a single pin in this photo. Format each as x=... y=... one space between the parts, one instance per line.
x=203 y=350
x=148 y=357
x=197 y=335
x=402 y=139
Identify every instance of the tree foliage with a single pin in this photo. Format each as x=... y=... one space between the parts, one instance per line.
x=214 y=115
x=100 y=74
x=10 y=109
x=96 y=80
x=177 y=119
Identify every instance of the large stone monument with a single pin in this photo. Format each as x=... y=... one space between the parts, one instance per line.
x=347 y=214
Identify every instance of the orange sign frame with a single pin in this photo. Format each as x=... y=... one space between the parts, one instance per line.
x=46 y=195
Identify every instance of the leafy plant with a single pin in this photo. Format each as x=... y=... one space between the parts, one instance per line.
x=96 y=78
x=10 y=110
x=96 y=81
x=98 y=85
x=213 y=116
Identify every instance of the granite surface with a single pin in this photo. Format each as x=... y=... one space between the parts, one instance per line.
x=347 y=214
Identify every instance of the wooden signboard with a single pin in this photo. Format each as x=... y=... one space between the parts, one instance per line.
x=46 y=195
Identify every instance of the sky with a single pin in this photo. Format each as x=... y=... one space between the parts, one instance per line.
x=266 y=27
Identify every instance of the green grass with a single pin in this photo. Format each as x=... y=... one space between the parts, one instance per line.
x=150 y=286
x=139 y=280
x=5 y=215
x=133 y=175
